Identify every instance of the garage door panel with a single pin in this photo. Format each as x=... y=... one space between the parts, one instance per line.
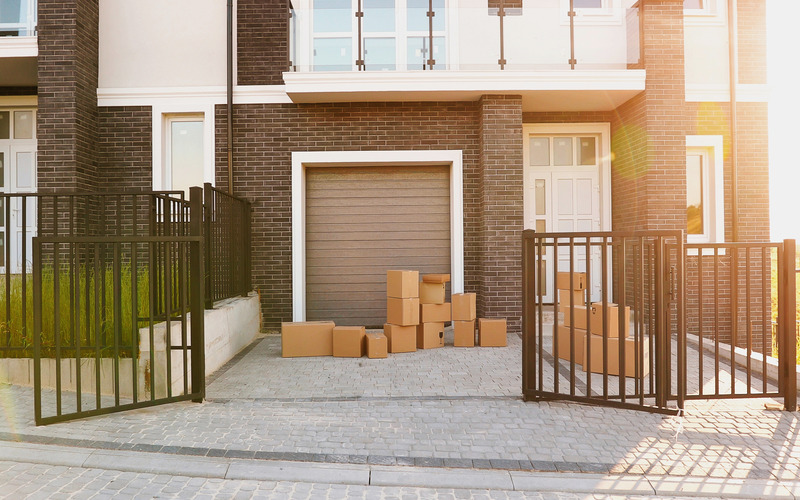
x=361 y=222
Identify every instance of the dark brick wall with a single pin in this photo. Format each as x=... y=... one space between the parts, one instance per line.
x=67 y=116
x=125 y=146
x=266 y=134
x=262 y=41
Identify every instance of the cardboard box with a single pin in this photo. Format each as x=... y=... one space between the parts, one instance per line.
x=402 y=284
x=492 y=332
x=464 y=308
x=614 y=330
x=348 y=341
x=464 y=333
x=377 y=346
x=431 y=293
x=596 y=353
x=400 y=338
x=568 y=297
x=579 y=281
x=403 y=312
x=435 y=313
x=580 y=316
x=564 y=339
x=430 y=335
x=307 y=338
x=435 y=278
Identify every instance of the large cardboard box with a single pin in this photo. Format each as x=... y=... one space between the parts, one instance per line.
x=579 y=281
x=568 y=297
x=464 y=333
x=579 y=314
x=464 y=308
x=596 y=353
x=564 y=339
x=402 y=284
x=401 y=338
x=431 y=293
x=492 y=332
x=307 y=338
x=430 y=335
x=348 y=341
x=435 y=313
x=435 y=278
x=403 y=312
x=377 y=346
x=614 y=330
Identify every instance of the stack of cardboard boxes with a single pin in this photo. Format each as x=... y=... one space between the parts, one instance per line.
x=402 y=310
x=464 y=315
x=588 y=325
x=434 y=312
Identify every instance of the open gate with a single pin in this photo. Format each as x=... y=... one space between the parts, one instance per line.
x=645 y=321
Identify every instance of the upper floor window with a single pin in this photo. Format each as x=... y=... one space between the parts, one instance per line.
x=704 y=193
x=588 y=4
x=693 y=4
x=17 y=18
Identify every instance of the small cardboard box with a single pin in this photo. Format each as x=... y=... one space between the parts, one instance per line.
x=492 y=332
x=580 y=316
x=568 y=297
x=430 y=335
x=464 y=306
x=564 y=339
x=596 y=353
x=431 y=293
x=377 y=346
x=435 y=278
x=402 y=284
x=464 y=333
x=596 y=326
x=434 y=313
x=348 y=341
x=307 y=338
x=401 y=338
x=403 y=312
x=579 y=281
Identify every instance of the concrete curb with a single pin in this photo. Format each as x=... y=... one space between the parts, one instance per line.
x=405 y=476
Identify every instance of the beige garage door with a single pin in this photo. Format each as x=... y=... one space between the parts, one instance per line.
x=362 y=221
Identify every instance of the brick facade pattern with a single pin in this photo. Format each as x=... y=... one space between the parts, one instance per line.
x=262 y=39
x=752 y=40
x=125 y=145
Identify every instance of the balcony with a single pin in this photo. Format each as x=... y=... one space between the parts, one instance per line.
x=18 y=45
x=387 y=50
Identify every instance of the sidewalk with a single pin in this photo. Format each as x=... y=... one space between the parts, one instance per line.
x=423 y=418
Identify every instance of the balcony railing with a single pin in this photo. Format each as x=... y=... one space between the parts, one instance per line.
x=18 y=18
x=380 y=35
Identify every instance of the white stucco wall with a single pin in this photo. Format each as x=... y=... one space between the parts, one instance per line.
x=706 y=47
x=157 y=43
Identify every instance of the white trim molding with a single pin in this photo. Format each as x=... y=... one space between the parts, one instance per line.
x=196 y=96
x=21 y=100
x=160 y=114
x=745 y=92
x=301 y=161
x=19 y=46
x=714 y=176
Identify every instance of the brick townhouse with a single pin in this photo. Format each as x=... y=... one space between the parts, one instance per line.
x=375 y=134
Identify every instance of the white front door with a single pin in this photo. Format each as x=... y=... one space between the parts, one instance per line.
x=563 y=193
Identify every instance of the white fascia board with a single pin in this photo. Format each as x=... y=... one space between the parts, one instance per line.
x=150 y=96
x=699 y=92
x=19 y=46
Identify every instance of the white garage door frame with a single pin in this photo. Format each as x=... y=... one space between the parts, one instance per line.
x=304 y=160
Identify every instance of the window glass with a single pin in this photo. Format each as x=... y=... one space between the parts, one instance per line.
x=418 y=52
x=418 y=15
x=541 y=226
x=23 y=124
x=186 y=154
x=540 y=151
x=333 y=54
x=562 y=151
x=12 y=11
x=587 y=4
x=379 y=54
x=587 y=151
x=333 y=16
x=379 y=16
x=25 y=170
x=540 y=196
x=694 y=194
x=5 y=124
x=2 y=171
x=693 y=4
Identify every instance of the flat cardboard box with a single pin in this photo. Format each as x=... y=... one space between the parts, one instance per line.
x=564 y=339
x=579 y=281
x=580 y=316
x=400 y=338
x=430 y=335
x=464 y=308
x=596 y=326
x=596 y=353
x=436 y=278
x=348 y=341
x=431 y=293
x=435 y=313
x=567 y=297
x=492 y=332
x=402 y=284
x=403 y=312
x=307 y=338
x=377 y=346
x=464 y=333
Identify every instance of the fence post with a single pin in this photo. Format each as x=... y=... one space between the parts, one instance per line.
x=788 y=348
x=248 y=280
x=208 y=208
x=196 y=300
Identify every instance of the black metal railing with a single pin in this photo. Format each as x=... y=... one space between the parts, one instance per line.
x=227 y=241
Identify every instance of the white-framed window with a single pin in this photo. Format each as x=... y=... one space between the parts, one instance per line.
x=184 y=164
x=704 y=12
x=705 y=213
x=593 y=12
